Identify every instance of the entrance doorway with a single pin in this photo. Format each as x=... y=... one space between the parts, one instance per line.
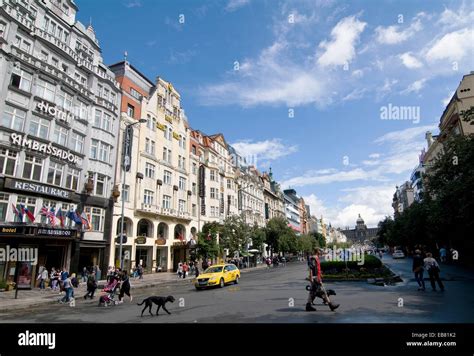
x=179 y=255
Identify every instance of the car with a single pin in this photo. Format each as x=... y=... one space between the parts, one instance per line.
x=218 y=275
x=398 y=254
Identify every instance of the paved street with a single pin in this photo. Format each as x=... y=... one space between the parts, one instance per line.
x=264 y=296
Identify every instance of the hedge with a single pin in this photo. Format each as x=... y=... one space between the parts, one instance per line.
x=370 y=262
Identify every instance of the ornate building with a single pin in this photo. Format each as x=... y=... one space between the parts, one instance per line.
x=361 y=232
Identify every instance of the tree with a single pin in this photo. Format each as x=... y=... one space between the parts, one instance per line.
x=207 y=246
x=288 y=242
x=235 y=233
x=258 y=236
x=320 y=239
x=307 y=243
x=276 y=228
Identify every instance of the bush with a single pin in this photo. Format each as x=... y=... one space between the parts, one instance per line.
x=3 y=284
x=370 y=262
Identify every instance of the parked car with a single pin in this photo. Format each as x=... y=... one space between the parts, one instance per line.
x=398 y=254
x=218 y=275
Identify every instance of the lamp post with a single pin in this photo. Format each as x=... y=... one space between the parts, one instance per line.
x=126 y=163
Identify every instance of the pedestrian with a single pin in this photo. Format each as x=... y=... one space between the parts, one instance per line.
x=68 y=289
x=317 y=289
x=185 y=269
x=433 y=271
x=125 y=287
x=54 y=276
x=91 y=286
x=442 y=254
x=180 y=269
x=196 y=270
x=84 y=275
x=380 y=254
x=43 y=276
x=98 y=272
x=74 y=281
x=140 y=271
x=418 y=269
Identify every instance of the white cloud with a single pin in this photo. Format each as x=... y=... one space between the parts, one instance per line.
x=410 y=61
x=266 y=150
x=341 y=49
x=415 y=87
x=309 y=178
x=447 y=99
x=453 y=46
x=356 y=94
x=234 y=5
x=396 y=34
x=133 y=3
x=463 y=16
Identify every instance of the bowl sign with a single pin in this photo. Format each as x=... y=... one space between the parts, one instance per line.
x=140 y=240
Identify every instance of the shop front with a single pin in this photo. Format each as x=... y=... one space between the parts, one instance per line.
x=143 y=254
x=161 y=255
x=32 y=246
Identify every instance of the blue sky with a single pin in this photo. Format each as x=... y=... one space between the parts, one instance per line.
x=334 y=65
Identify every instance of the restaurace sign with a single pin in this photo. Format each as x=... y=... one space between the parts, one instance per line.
x=49 y=149
x=54 y=111
x=37 y=188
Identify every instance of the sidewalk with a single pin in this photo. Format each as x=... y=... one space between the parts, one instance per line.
x=37 y=297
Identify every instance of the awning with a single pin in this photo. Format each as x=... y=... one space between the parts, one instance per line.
x=296 y=228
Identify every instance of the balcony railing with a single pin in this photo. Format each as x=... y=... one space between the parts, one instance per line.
x=18 y=16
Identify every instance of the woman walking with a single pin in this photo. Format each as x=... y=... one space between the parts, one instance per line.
x=433 y=271
x=91 y=286
x=125 y=287
x=418 y=269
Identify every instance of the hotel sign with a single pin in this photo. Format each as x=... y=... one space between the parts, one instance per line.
x=37 y=188
x=11 y=230
x=56 y=232
x=55 y=112
x=48 y=149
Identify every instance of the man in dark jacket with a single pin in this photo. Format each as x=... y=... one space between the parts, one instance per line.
x=418 y=269
x=91 y=286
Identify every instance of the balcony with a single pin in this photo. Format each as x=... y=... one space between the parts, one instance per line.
x=56 y=42
x=149 y=208
x=10 y=10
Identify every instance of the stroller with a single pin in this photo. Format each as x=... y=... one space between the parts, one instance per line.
x=110 y=291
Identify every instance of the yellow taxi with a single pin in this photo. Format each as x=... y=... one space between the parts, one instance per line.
x=218 y=275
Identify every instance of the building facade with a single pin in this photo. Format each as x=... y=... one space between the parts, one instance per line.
x=273 y=197
x=403 y=197
x=58 y=131
x=361 y=233
x=292 y=210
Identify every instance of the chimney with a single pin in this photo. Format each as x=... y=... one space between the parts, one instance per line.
x=429 y=138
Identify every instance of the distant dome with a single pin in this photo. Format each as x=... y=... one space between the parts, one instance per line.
x=360 y=220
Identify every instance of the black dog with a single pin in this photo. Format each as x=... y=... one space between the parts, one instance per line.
x=160 y=301
x=320 y=293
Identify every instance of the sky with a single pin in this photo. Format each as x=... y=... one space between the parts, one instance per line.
x=310 y=88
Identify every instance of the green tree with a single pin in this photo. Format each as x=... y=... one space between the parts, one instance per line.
x=235 y=234
x=320 y=239
x=276 y=228
x=207 y=246
x=307 y=243
x=258 y=236
x=287 y=242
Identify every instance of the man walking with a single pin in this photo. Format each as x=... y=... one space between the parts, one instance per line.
x=317 y=288
x=418 y=269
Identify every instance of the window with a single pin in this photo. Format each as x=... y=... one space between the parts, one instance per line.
x=3 y=206
x=168 y=132
x=194 y=150
x=182 y=183
x=135 y=94
x=21 y=79
x=30 y=203
x=60 y=135
x=150 y=146
x=100 y=185
x=130 y=110
x=212 y=175
x=55 y=173
x=103 y=120
x=149 y=170
x=45 y=90
x=148 y=197
x=55 y=62
x=77 y=142
x=213 y=211
x=166 y=155
x=194 y=188
x=100 y=151
x=3 y=27
x=213 y=193
x=181 y=162
x=8 y=159
x=97 y=218
x=166 y=202
x=167 y=177
x=229 y=184
x=39 y=127
x=194 y=168
x=23 y=44
x=182 y=142
x=83 y=110
x=13 y=118
x=182 y=205
x=64 y=100
x=32 y=168
x=193 y=209
x=126 y=193
x=72 y=178
x=43 y=56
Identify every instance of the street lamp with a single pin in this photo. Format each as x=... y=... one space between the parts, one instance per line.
x=127 y=153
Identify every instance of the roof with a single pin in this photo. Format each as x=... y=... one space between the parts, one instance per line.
x=122 y=63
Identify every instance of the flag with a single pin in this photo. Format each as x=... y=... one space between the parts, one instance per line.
x=29 y=214
x=44 y=211
x=60 y=216
x=18 y=214
x=74 y=216
x=85 y=221
x=52 y=216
